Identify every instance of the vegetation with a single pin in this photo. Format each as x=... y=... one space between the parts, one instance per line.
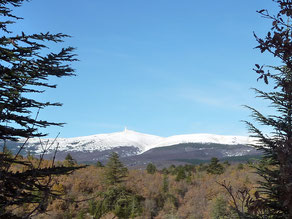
x=117 y=199
x=151 y=168
x=86 y=193
x=274 y=199
x=69 y=161
x=43 y=189
x=99 y=164
x=180 y=173
x=25 y=69
x=115 y=171
x=215 y=167
x=273 y=196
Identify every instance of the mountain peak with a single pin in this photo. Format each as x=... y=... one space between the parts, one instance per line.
x=141 y=141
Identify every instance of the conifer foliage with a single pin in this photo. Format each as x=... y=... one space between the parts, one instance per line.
x=115 y=171
x=25 y=69
x=215 y=167
x=275 y=192
x=117 y=199
x=69 y=161
x=151 y=168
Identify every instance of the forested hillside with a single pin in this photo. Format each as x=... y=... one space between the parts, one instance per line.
x=112 y=191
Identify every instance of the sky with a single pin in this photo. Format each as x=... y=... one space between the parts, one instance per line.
x=162 y=67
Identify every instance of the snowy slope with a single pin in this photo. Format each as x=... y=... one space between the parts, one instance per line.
x=143 y=142
x=204 y=138
x=100 y=142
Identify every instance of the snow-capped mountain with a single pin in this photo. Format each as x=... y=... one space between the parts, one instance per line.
x=127 y=137
x=100 y=142
x=204 y=139
x=129 y=143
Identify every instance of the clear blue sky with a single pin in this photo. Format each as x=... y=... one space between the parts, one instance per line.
x=161 y=67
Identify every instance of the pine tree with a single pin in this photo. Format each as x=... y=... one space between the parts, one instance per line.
x=151 y=168
x=215 y=167
x=120 y=201
x=99 y=164
x=165 y=185
x=115 y=171
x=275 y=192
x=69 y=161
x=25 y=69
x=181 y=174
x=117 y=199
x=220 y=209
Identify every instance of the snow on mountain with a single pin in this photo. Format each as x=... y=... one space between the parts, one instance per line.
x=100 y=142
x=143 y=142
x=205 y=139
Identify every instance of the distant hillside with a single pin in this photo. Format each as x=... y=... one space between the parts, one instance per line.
x=192 y=153
x=138 y=149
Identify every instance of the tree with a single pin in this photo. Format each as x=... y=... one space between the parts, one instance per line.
x=221 y=210
x=181 y=174
x=120 y=201
x=151 y=168
x=226 y=163
x=115 y=171
x=117 y=199
x=275 y=191
x=165 y=185
x=215 y=167
x=69 y=161
x=25 y=69
x=165 y=171
x=99 y=164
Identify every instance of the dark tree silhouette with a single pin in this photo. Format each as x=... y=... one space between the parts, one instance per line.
x=275 y=192
x=25 y=69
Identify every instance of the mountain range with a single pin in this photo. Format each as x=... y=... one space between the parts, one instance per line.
x=138 y=148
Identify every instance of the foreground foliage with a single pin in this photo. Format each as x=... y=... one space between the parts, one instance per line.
x=117 y=199
x=25 y=68
x=275 y=192
x=86 y=193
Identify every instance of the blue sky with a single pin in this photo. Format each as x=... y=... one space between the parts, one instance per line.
x=161 y=67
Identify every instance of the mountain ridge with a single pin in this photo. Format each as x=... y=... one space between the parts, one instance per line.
x=138 y=149
x=143 y=142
